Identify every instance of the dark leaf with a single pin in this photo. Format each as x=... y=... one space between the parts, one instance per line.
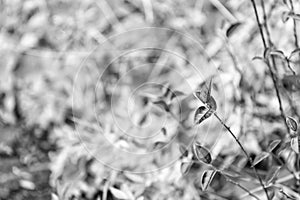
x=185 y=167
x=207 y=178
x=295 y=144
x=260 y=157
x=201 y=153
x=258 y=58
x=272 y=175
x=199 y=112
x=204 y=92
x=292 y=124
x=212 y=104
x=232 y=28
x=183 y=150
x=273 y=145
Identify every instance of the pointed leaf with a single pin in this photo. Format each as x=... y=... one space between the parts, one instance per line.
x=295 y=144
x=199 y=112
x=205 y=116
x=206 y=178
x=118 y=193
x=292 y=124
x=201 y=153
x=272 y=175
x=232 y=28
x=212 y=103
x=273 y=145
x=259 y=158
x=185 y=167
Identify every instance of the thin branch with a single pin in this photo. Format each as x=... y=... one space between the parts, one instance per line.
x=245 y=152
x=295 y=25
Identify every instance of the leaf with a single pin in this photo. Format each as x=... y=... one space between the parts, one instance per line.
x=259 y=158
x=201 y=153
x=291 y=82
x=206 y=178
x=292 y=124
x=273 y=145
x=212 y=104
x=118 y=193
x=232 y=28
x=272 y=175
x=204 y=92
x=162 y=104
x=295 y=144
x=185 y=167
x=205 y=116
x=258 y=58
x=285 y=16
x=198 y=113
x=183 y=150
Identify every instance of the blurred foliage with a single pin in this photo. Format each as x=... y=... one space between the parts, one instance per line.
x=66 y=85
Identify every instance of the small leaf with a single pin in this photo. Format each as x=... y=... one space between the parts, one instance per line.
x=205 y=116
x=272 y=175
x=162 y=104
x=206 y=178
x=232 y=28
x=185 y=167
x=118 y=193
x=258 y=58
x=292 y=124
x=295 y=144
x=164 y=131
x=259 y=158
x=183 y=150
x=273 y=145
x=158 y=145
x=201 y=153
x=212 y=103
x=198 y=113
x=285 y=16
x=291 y=82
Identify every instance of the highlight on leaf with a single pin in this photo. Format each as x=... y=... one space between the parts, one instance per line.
x=272 y=175
x=206 y=178
x=185 y=167
x=260 y=158
x=292 y=124
x=295 y=144
x=201 y=153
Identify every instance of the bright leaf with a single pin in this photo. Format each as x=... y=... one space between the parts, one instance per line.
x=185 y=167
x=273 y=145
x=295 y=144
x=118 y=193
x=272 y=175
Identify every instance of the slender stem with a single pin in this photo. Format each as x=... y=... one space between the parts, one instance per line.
x=245 y=152
x=295 y=25
x=266 y=23
x=269 y=66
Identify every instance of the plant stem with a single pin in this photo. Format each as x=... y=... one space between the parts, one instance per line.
x=295 y=26
x=269 y=66
x=245 y=152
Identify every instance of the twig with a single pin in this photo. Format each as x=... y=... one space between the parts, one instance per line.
x=269 y=65
x=295 y=26
x=245 y=152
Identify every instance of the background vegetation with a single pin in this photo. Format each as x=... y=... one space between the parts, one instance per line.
x=149 y=99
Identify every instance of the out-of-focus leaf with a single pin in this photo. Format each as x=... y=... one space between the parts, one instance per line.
x=292 y=124
x=295 y=52
x=260 y=157
x=185 y=167
x=204 y=92
x=176 y=94
x=162 y=104
x=118 y=193
x=272 y=175
x=295 y=144
x=232 y=28
x=291 y=82
x=199 y=112
x=183 y=150
x=273 y=145
x=201 y=153
x=164 y=130
x=159 y=145
x=206 y=178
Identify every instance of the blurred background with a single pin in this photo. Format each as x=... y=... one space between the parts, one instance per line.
x=85 y=111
